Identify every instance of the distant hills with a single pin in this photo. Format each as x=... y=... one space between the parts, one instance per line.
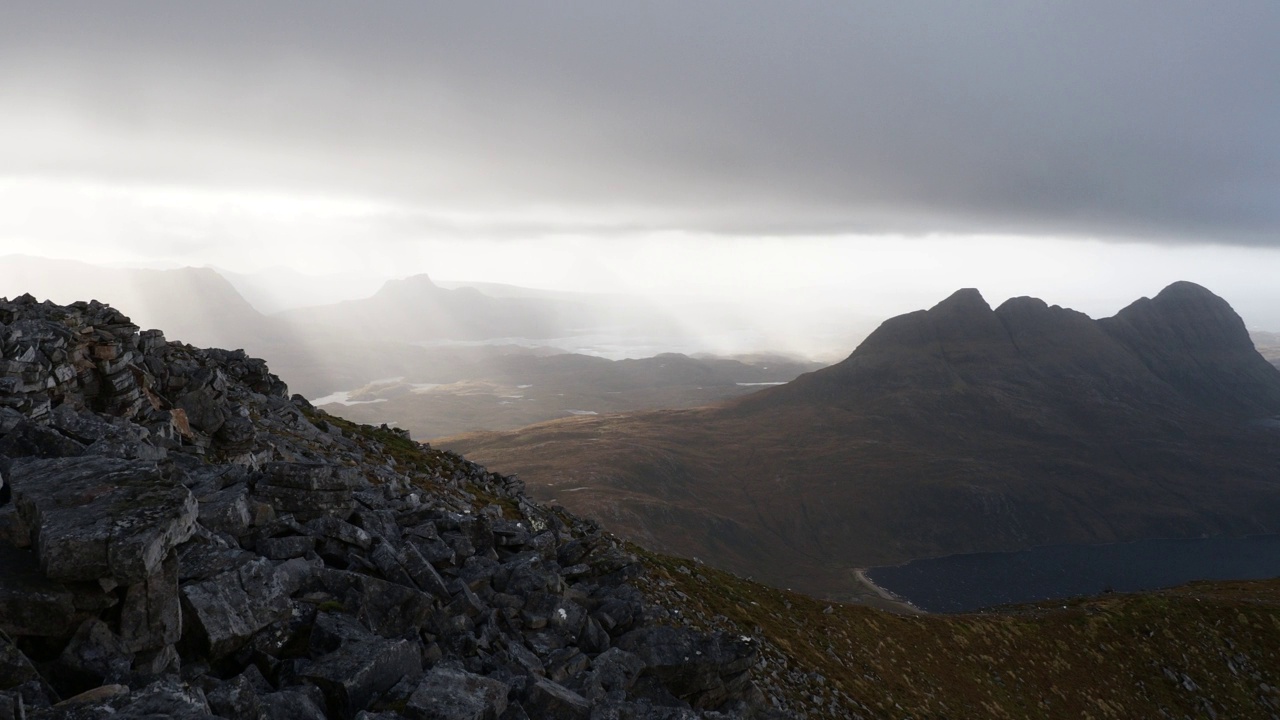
x=416 y=309
x=956 y=429
x=196 y=305
x=492 y=358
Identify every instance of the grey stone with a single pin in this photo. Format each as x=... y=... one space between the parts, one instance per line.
x=95 y=517
x=379 y=523
x=546 y=699
x=566 y=663
x=305 y=504
x=236 y=435
x=386 y=608
x=237 y=698
x=298 y=703
x=312 y=476
x=333 y=528
x=166 y=698
x=94 y=656
x=357 y=673
x=391 y=565
x=149 y=663
x=283 y=548
x=593 y=638
x=228 y=609
x=151 y=615
x=226 y=510
x=422 y=572
x=204 y=410
x=28 y=439
x=206 y=555
x=613 y=670
x=526 y=660
x=451 y=694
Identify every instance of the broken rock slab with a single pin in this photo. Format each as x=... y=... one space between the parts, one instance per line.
x=450 y=694
x=151 y=616
x=227 y=609
x=101 y=518
x=357 y=673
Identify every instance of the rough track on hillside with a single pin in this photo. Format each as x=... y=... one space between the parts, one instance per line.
x=181 y=538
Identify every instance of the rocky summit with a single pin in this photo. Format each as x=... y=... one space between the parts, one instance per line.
x=181 y=538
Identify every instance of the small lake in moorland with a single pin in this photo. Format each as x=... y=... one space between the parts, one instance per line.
x=962 y=583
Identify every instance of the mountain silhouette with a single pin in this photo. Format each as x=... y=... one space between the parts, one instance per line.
x=954 y=429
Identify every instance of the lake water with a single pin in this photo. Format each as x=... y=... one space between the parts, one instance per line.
x=962 y=583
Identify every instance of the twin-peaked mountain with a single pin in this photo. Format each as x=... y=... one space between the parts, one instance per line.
x=955 y=429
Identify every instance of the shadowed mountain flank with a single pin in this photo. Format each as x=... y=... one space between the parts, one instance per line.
x=954 y=429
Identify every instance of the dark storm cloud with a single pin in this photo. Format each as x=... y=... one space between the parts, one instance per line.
x=1153 y=120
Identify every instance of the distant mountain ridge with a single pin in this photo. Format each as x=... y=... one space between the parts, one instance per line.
x=195 y=305
x=954 y=429
x=415 y=309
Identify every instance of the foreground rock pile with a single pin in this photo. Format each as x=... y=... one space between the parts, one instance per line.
x=180 y=538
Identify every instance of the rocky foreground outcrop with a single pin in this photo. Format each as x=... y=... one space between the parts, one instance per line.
x=181 y=538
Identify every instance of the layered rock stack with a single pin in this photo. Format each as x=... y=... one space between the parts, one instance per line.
x=180 y=538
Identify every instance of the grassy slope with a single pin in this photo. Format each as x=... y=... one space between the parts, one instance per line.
x=1172 y=653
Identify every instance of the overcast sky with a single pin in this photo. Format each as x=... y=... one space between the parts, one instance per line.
x=1097 y=150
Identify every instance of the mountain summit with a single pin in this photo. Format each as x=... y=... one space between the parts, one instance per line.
x=1193 y=340
x=954 y=429
x=1185 y=351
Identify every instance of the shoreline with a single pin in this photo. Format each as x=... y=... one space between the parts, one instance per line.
x=895 y=603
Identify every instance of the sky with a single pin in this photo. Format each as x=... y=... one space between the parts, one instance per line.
x=865 y=156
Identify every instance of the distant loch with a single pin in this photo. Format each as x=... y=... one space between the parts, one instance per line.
x=964 y=583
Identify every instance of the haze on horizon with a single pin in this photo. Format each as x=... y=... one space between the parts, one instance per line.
x=861 y=160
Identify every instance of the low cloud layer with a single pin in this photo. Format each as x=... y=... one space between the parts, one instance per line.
x=1116 y=120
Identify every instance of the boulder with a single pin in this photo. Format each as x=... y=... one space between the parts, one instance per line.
x=151 y=615
x=167 y=698
x=94 y=656
x=101 y=518
x=546 y=699
x=226 y=610
x=452 y=694
x=386 y=608
x=295 y=703
x=357 y=673
x=226 y=510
